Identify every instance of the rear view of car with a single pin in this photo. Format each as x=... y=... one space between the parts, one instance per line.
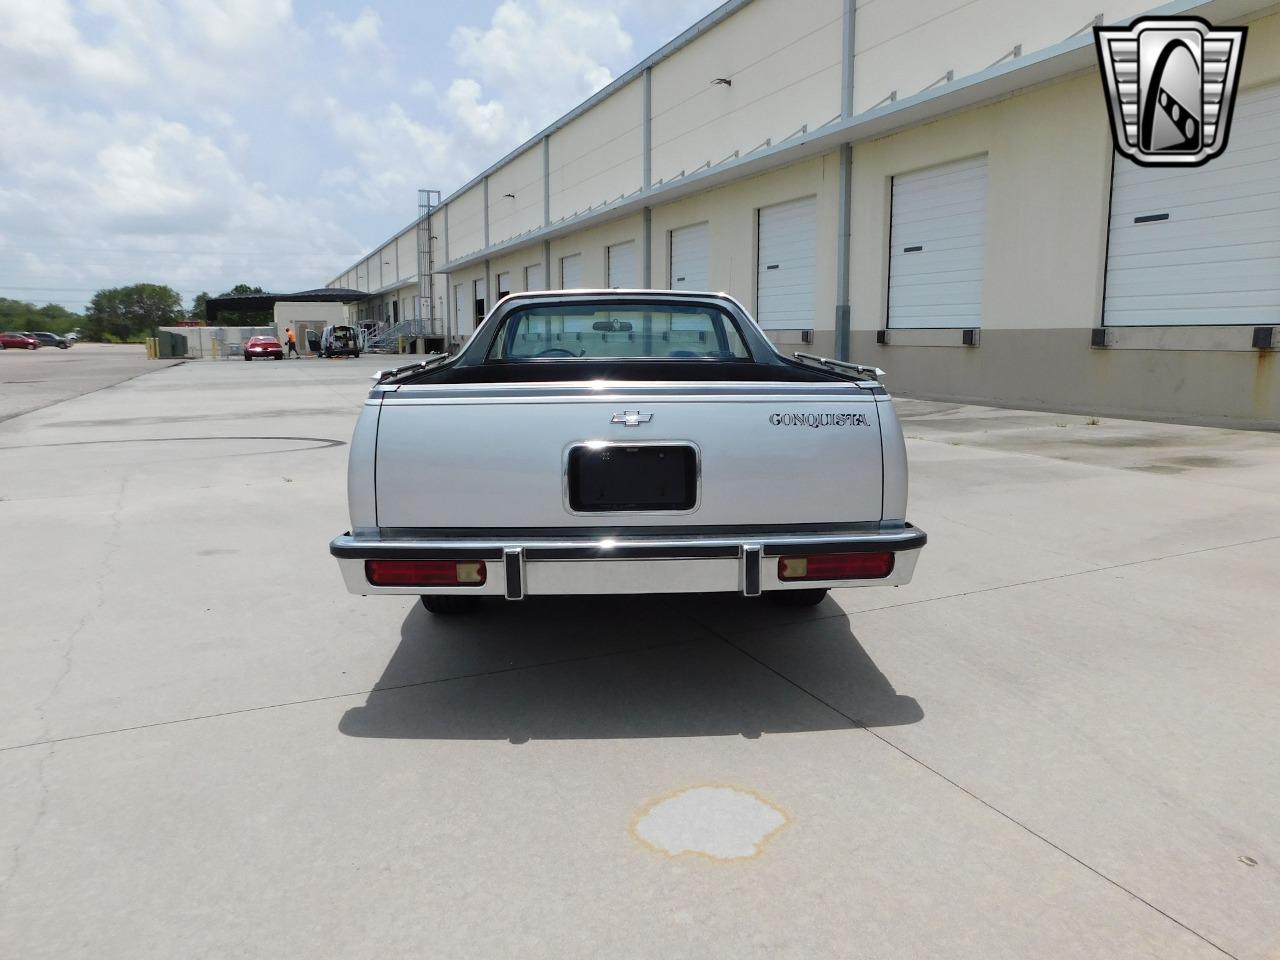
x=339 y=340
x=622 y=442
x=256 y=348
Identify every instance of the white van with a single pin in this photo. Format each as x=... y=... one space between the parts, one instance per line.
x=340 y=340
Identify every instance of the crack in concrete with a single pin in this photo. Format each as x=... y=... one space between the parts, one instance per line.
x=860 y=725
x=68 y=649
x=390 y=688
x=1022 y=583
x=42 y=805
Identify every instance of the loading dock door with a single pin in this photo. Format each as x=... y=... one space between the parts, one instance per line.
x=691 y=257
x=459 y=306
x=504 y=284
x=787 y=269
x=622 y=265
x=533 y=277
x=1201 y=245
x=571 y=272
x=937 y=246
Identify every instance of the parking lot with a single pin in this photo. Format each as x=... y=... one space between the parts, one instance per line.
x=1059 y=741
x=32 y=379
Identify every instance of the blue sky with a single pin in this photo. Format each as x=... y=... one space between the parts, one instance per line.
x=202 y=143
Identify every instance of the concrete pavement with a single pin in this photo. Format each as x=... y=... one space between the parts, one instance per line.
x=1058 y=741
x=32 y=379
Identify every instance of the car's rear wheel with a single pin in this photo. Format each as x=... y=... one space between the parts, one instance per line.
x=797 y=598
x=247 y=358
x=445 y=605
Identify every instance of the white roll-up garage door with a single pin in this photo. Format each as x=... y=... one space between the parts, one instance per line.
x=937 y=246
x=571 y=272
x=622 y=265
x=787 y=271
x=691 y=257
x=533 y=279
x=503 y=281
x=1201 y=245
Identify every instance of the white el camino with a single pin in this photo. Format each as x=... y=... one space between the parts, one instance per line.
x=612 y=442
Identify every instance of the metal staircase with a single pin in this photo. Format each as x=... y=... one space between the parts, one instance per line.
x=388 y=340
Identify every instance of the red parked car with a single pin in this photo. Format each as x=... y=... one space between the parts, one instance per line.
x=18 y=341
x=263 y=347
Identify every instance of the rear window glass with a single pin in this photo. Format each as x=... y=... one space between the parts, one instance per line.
x=619 y=331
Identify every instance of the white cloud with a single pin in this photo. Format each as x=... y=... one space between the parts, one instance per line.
x=362 y=33
x=365 y=57
x=396 y=155
x=159 y=52
x=182 y=106
x=93 y=198
x=536 y=59
x=485 y=120
x=164 y=179
x=39 y=42
x=235 y=26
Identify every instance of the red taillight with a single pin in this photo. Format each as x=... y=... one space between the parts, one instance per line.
x=836 y=566
x=425 y=573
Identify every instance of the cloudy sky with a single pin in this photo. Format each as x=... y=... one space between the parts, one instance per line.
x=203 y=143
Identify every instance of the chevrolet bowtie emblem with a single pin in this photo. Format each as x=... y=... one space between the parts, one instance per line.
x=631 y=418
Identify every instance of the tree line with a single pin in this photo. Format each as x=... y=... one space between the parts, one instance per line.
x=121 y=314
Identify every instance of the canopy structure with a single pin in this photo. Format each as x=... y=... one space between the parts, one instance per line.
x=263 y=302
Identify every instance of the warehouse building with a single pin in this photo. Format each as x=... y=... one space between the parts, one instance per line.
x=927 y=187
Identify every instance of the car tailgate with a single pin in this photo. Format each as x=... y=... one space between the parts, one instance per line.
x=486 y=456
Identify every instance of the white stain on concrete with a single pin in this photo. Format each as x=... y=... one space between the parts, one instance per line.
x=723 y=823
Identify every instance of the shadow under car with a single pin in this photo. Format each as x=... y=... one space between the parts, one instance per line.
x=610 y=667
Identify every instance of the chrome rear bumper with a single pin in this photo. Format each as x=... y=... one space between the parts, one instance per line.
x=729 y=562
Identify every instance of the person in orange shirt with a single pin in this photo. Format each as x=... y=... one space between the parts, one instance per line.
x=293 y=342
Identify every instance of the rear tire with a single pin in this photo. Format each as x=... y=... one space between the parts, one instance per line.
x=247 y=358
x=445 y=605
x=797 y=598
